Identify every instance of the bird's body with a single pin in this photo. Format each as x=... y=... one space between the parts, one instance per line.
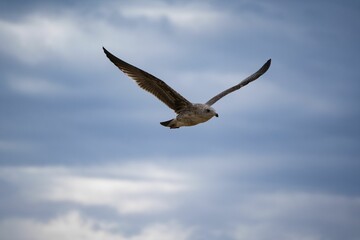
x=192 y=115
x=188 y=114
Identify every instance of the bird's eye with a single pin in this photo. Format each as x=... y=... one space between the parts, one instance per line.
x=207 y=110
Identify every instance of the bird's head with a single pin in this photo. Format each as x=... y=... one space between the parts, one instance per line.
x=209 y=111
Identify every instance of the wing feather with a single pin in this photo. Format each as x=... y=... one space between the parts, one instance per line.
x=151 y=84
x=243 y=83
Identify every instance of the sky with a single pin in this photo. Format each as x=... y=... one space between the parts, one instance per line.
x=82 y=153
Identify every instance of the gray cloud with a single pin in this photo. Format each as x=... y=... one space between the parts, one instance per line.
x=280 y=162
x=199 y=202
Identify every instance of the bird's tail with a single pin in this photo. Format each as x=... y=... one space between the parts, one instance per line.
x=171 y=123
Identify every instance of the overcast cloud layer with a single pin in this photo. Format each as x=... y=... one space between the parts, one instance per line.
x=82 y=153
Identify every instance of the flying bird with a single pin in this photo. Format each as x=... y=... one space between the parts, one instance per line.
x=188 y=114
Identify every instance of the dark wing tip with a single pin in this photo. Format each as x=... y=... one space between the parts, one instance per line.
x=268 y=62
x=266 y=66
x=108 y=54
x=112 y=58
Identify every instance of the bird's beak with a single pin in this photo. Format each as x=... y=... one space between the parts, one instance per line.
x=216 y=115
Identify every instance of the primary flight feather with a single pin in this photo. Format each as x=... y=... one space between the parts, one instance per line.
x=188 y=114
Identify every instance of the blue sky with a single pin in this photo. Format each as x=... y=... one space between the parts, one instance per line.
x=82 y=153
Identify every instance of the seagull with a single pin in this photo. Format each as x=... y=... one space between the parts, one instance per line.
x=188 y=114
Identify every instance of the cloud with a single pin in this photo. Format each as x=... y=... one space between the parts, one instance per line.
x=126 y=196
x=73 y=225
x=297 y=215
x=37 y=37
x=40 y=36
x=144 y=200
x=194 y=17
x=36 y=86
x=164 y=232
x=150 y=189
x=280 y=163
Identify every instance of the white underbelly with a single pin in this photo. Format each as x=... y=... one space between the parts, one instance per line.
x=190 y=119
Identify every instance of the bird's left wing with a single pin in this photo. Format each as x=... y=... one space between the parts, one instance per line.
x=151 y=84
x=246 y=81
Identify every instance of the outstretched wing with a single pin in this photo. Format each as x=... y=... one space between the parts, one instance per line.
x=243 y=83
x=151 y=84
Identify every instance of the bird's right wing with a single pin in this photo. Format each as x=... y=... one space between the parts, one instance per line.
x=151 y=84
x=246 y=81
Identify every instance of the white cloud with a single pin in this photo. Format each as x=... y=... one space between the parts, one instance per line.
x=127 y=196
x=67 y=38
x=168 y=231
x=138 y=190
x=72 y=226
x=193 y=17
x=37 y=37
x=151 y=189
x=66 y=227
x=205 y=18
